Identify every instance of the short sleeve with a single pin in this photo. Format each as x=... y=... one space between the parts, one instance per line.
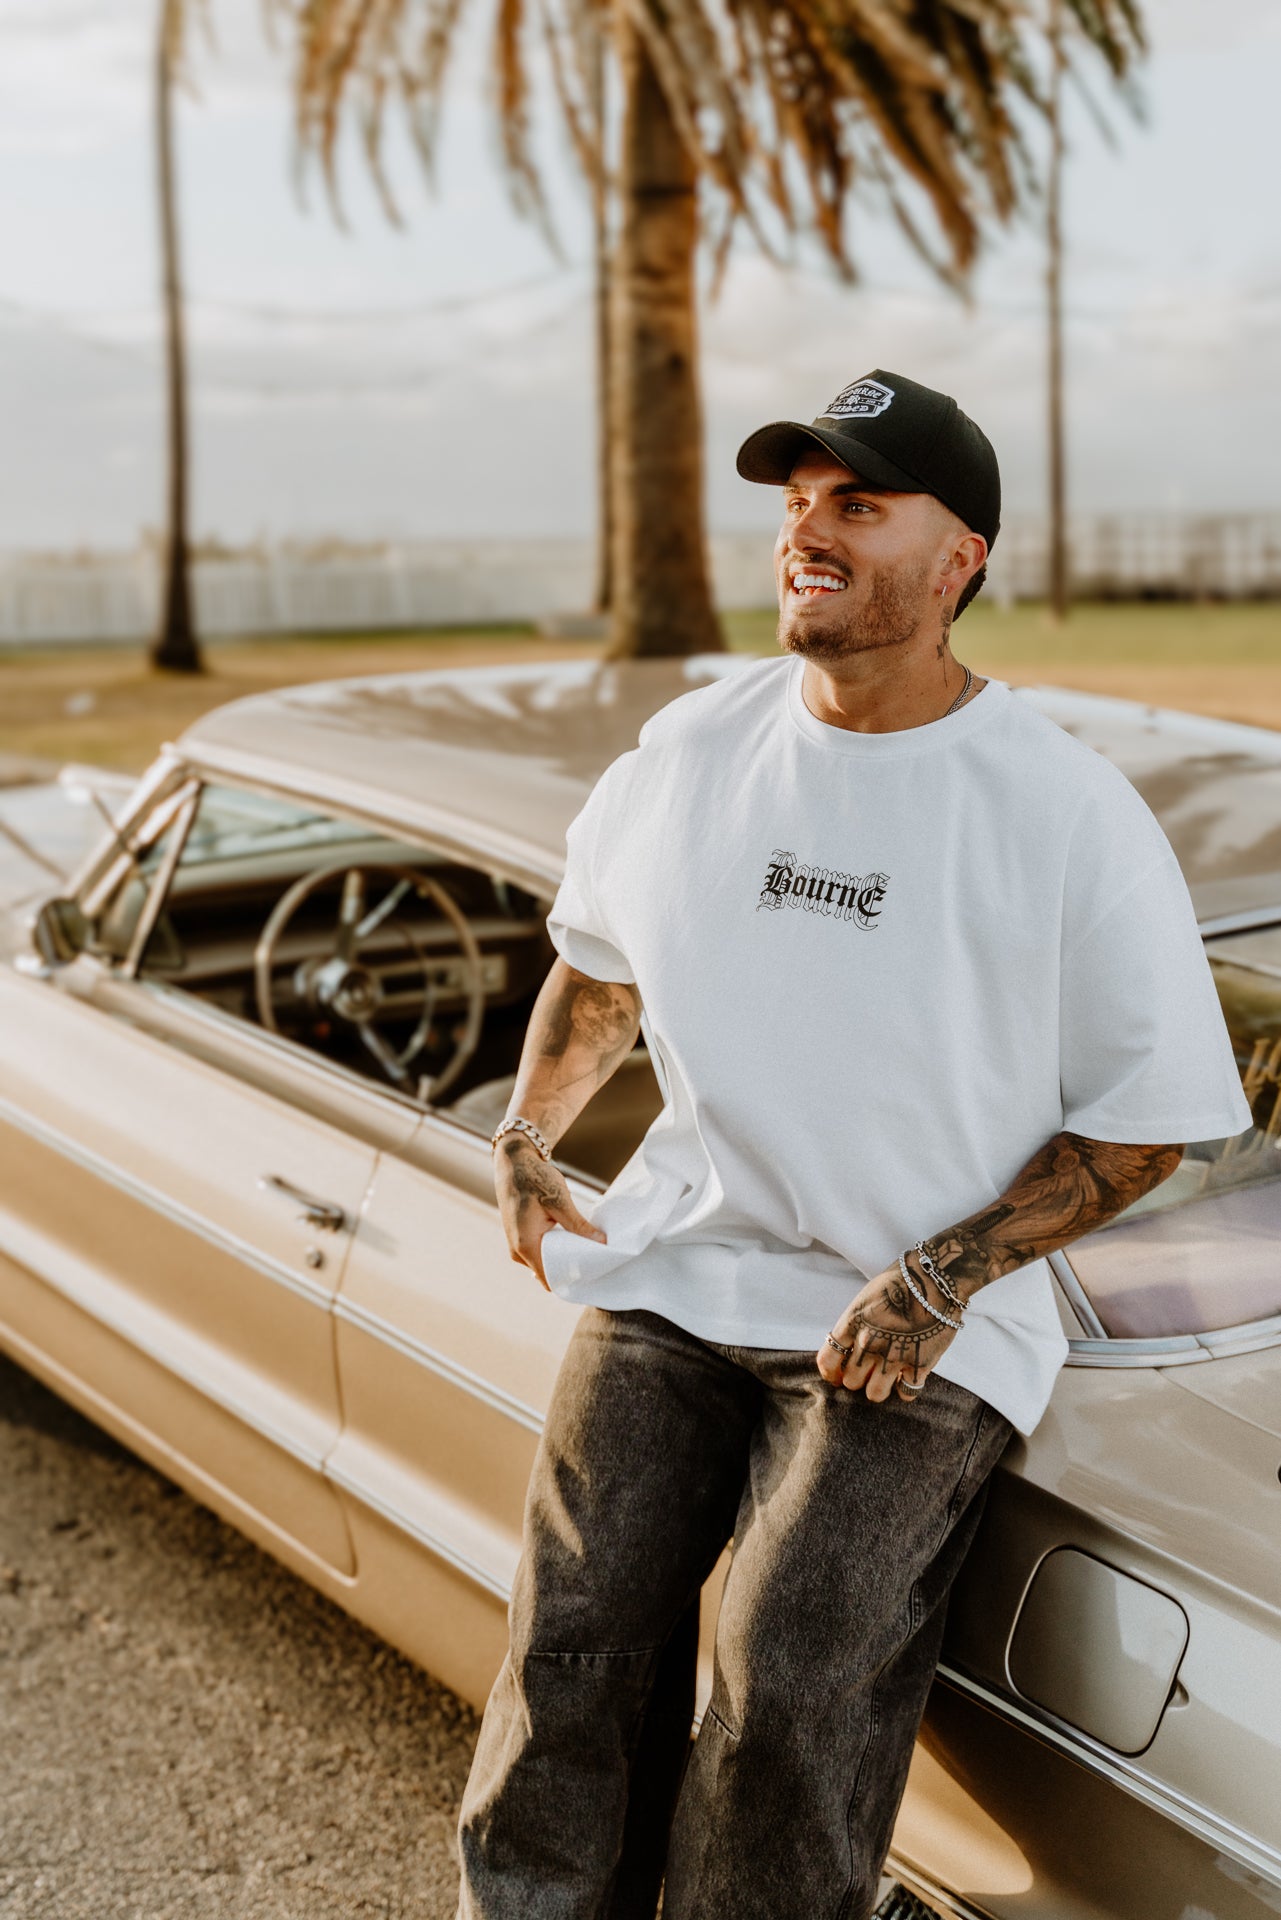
x=577 y=925
x=1144 y=1052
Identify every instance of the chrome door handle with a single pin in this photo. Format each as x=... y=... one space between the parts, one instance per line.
x=316 y=1213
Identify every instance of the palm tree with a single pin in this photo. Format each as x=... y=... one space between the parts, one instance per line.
x=1058 y=583
x=175 y=645
x=1058 y=570
x=603 y=597
x=775 y=113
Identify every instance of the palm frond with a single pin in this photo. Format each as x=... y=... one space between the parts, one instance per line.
x=786 y=107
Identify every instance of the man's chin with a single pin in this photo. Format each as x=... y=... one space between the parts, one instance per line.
x=811 y=641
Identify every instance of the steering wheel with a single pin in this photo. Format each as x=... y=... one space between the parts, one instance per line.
x=343 y=985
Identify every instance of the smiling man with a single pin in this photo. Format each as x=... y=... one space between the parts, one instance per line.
x=923 y=985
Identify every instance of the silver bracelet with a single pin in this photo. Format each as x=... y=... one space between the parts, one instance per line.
x=932 y=1272
x=926 y=1304
x=527 y=1127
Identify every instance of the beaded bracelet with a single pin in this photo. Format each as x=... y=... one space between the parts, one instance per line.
x=527 y=1127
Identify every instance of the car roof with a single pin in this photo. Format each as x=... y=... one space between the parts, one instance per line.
x=500 y=759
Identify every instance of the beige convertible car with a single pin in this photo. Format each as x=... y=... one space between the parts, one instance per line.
x=259 y=1014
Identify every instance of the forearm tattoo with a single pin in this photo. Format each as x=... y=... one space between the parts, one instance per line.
x=580 y=1030
x=1070 y=1186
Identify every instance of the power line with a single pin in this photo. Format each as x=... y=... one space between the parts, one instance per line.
x=65 y=319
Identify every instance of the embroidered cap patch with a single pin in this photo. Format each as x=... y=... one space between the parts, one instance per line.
x=864 y=400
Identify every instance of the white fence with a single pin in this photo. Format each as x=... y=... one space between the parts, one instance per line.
x=116 y=598
x=1230 y=556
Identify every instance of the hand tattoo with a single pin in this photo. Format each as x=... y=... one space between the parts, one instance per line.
x=533 y=1177
x=911 y=1342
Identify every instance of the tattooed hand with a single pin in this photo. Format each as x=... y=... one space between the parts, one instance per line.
x=532 y=1198
x=1069 y=1186
x=891 y=1334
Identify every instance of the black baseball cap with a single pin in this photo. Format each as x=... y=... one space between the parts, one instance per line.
x=894 y=433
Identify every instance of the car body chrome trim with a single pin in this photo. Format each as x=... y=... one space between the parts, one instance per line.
x=1177 y=1349
x=1246 y=922
x=149 y=1196
x=397 y=1517
x=153 y=1350
x=1244 y=1338
x=154 y=897
x=1079 y=1301
x=365 y=1320
x=1091 y=1754
x=166 y=770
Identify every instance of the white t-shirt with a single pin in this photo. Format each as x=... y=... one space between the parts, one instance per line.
x=879 y=971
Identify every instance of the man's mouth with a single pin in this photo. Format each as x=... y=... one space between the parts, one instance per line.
x=809 y=582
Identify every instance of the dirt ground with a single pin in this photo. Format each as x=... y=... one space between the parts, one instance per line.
x=103 y=704
x=191 y=1733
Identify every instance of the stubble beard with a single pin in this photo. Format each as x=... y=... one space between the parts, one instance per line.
x=886 y=612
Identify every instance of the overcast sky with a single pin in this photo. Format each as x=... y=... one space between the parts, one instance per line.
x=437 y=380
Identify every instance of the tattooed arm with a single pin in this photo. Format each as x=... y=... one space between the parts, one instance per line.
x=1070 y=1186
x=580 y=1030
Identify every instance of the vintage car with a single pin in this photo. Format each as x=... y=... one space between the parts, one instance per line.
x=259 y=1013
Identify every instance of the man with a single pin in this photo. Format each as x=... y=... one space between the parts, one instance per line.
x=923 y=986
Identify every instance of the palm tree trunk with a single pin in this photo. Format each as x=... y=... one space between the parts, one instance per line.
x=662 y=601
x=604 y=594
x=1058 y=567
x=175 y=645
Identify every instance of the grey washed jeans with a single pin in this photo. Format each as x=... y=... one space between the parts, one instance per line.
x=849 y=1520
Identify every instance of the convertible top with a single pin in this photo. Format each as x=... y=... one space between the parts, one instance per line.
x=499 y=759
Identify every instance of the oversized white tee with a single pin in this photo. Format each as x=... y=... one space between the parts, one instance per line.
x=879 y=971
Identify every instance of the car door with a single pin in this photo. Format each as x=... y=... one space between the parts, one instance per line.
x=1114 y=1639
x=448 y=1351
x=177 y=1205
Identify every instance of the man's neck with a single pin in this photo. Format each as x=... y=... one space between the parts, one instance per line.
x=863 y=697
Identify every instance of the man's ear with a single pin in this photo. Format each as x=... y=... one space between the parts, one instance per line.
x=967 y=556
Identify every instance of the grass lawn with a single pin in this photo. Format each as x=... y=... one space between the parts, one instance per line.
x=104 y=704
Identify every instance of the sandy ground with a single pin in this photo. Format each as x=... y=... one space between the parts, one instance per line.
x=190 y=1732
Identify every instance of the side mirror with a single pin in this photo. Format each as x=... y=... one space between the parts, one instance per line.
x=59 y=932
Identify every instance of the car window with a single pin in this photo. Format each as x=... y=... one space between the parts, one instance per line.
x=241 y=900
x=384 y=956
x=1203 y=1251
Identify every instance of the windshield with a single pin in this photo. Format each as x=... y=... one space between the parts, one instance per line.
x=234 y=825
x=1203 y=1250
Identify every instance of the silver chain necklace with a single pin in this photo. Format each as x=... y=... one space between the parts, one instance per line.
x=969 y=681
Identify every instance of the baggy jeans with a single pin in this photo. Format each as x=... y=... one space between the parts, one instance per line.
x=849 y=1519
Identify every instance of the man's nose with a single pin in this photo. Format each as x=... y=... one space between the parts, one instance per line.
x=807 y=530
